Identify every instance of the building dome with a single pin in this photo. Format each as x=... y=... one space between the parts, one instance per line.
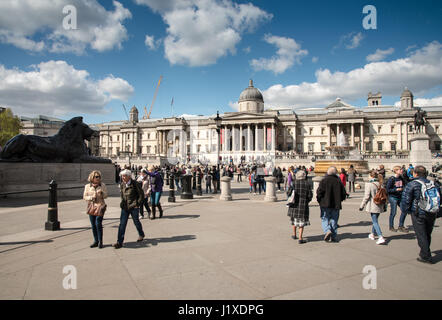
x=406 y=93
x=134 y=109
x=251 y=94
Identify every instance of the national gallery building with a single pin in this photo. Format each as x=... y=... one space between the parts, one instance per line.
x=253 y=133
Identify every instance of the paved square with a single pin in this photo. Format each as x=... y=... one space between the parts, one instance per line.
x=209 y=249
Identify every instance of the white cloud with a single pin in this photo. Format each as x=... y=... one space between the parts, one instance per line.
x=57 y=88
x=200 y=32
x=247 y=50
x=25 y=20
x=289 y=52
x=379 y=55
x=151 y=43
x=423 y=102
x=315 y=59
x=234 y=105
x=420 y=71
x=350 y=41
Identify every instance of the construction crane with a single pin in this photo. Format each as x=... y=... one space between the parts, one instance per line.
x=147 y=115
x=125 y=111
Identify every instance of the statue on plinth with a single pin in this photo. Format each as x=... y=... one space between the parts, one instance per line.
x=66 y=146
x=420 y=121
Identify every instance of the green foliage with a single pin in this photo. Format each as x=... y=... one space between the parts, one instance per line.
x=9 y=126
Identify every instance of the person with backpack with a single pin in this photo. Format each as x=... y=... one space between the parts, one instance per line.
x=156 y=186
x=375 y=199
x=395 y=187
x=421 y=199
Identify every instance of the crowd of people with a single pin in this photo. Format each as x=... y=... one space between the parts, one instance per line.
x=408 y=188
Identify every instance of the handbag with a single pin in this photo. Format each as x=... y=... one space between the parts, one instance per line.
x=96 y=209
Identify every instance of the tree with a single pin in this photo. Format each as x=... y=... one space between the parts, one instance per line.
x=9 y=126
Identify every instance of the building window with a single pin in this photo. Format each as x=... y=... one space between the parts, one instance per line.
x=322 y=131
x=198 y=135
x=118 y=151
x=368 y=146
x=437 y=129
x=128 y=136
x=118 y=137
x=140 y=150
x=311 y=146
x=148 y=136
x=393 y=145
x=323 y=144
x=141 y=136
x=310 y=131
x=379 y=129
x=300 y=147
x=392 y=129
x=437 y=145
x=148 y=149
x=110 y=138
x=299 y=131
x=198 y=147
x=380 y=143
x=410 y=128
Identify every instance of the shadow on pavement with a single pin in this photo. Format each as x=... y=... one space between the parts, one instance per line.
x=25 y=202
x=438 y=256
x=357 y=224
x=341 y=236
x=155 y=241
x=24 y=242
x=182 y=216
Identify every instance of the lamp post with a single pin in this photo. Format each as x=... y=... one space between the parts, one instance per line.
x=218 y=121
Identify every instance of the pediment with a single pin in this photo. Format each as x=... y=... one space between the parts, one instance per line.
x=246 y=115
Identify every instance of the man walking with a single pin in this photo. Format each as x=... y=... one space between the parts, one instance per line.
x=421 y=199
x=132 y=197
x=330 y=194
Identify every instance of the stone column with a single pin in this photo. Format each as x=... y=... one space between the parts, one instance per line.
x=352 y=135
x=210 y=140
x=226 y=192
x=362 y=138
x=121 y=142
x=256 y=137
x=284 y=142
x=399 y=136
x=249 y=138
x=338 y=127
x=233 y=139
x=136 y=138
x=264 y=137
x=274 y=138
x=240 y=138
x=406 y=136
x=329 y=134
x=270 y=189
x=316 y=181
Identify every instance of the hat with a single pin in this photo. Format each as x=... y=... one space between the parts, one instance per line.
x=125 y=172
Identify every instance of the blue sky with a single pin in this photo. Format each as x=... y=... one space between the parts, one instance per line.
x=305 y=53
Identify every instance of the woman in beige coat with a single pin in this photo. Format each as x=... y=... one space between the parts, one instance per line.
x=371 y=187
x=94 y=193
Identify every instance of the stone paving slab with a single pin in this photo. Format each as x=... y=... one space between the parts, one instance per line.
x=210 y=249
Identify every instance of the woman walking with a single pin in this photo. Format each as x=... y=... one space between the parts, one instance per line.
x=94 y=193
x=371 y=188
x=299 y=208
x=351 y=178
x=145 y=185
x=156 y=185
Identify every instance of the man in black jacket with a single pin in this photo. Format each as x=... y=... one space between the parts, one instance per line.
x=330 y=194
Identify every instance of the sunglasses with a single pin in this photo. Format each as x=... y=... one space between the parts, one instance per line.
x=97 y=177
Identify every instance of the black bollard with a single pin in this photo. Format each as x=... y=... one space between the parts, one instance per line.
x=167 y=177
x=186 y=182
x=171 y=189
x=52 y=224
x=199 y=191
x=194 y=181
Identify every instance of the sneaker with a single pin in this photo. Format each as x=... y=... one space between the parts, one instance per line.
x=302 y=241
x=117 y=245
x=94 y=245
x=140 y=238
x=403 y=229
x=371 y=236
x=393 y=229
x=294 y=237
x=381 y=240
x=327 y=236
x=429 y=261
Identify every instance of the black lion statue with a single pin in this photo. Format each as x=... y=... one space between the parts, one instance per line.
x=66 y=146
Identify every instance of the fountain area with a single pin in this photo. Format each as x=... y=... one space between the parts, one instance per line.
x=342 y=156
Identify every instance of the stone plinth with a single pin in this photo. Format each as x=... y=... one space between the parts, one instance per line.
x=226 y=192
x=316 y=180
x=28 y=176
x=186 y=182
x=420 y=153
x=270 y=189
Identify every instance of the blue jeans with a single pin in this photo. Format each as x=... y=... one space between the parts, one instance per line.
x=376 y=230
x=394 y=203
x=330 y=218
x=123 y=223
x=97 y=227
x=155 y=198
x=177 y=183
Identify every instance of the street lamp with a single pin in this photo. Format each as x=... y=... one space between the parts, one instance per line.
x=218 y=121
